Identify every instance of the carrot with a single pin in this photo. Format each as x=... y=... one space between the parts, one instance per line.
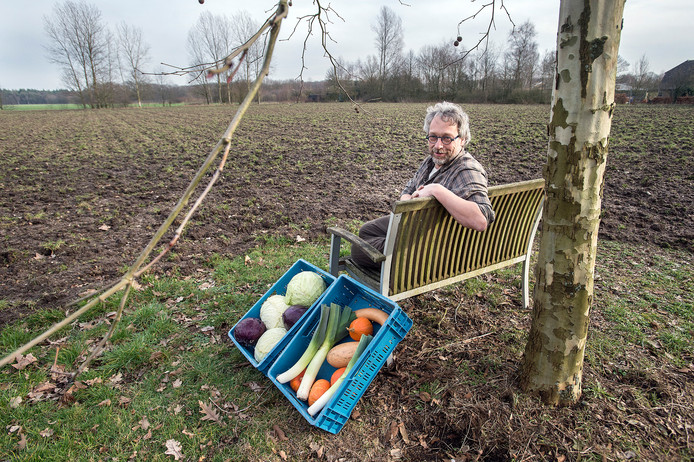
x=319 y=387
x=296 y=381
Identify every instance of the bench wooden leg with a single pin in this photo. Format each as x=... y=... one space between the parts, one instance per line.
x=335 y=242
x=525 y=289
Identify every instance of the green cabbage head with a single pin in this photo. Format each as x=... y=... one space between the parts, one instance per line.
x=271 y=311
x=304 y=288
x=267 y=342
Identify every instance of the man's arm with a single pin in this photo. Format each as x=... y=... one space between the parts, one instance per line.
x=465 y=212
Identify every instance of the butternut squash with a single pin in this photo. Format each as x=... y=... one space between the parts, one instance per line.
x=373 y=314
x=339 y=355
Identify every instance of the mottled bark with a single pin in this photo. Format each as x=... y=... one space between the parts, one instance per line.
x=579 y=128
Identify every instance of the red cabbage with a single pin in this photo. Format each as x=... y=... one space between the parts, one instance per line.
x=292 y=314
x=248 y=331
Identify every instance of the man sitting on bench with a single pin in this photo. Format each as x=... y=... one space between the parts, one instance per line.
x=448 y=173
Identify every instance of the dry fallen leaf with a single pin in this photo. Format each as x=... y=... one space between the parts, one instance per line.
x=392 y=431
x=106 y=402
x=104 y=227
x=210 y=413
x=254 y=387
x=396 y=453
x=15 y=402
x=173 y=448
x=422 y=441
x=48 y=432
x=144 y=423
x=280 y=434
x=177 y=383
x=403 y=433
x=43 y=387
x=247 y=260
x=318 y=449
x=24 y=361
x=22 y=443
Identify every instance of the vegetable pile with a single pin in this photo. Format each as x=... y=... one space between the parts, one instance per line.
x=335 y=324
x=279 y=313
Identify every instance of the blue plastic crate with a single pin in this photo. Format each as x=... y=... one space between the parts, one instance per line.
x=344 y=291
x=280 y=288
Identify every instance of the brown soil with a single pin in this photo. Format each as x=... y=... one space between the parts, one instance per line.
x=82 y=193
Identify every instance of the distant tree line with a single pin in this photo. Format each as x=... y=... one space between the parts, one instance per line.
x=102 y=67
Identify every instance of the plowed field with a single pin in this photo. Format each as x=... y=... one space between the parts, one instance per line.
x=83 y=191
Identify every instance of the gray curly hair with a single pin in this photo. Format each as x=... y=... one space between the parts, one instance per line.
x=451 y=113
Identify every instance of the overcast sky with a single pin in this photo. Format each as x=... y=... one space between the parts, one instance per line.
x=659 y=30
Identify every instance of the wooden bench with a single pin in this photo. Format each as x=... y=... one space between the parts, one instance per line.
x=426 y=248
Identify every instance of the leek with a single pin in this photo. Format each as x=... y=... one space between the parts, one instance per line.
x=316 y=341
x=339 y=321
x=325 y=397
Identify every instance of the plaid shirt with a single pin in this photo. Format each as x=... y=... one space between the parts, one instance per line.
x=462 y=175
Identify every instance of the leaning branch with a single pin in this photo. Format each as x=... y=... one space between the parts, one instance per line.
x=135 y=270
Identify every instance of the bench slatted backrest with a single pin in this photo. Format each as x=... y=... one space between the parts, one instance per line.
x=431 y=246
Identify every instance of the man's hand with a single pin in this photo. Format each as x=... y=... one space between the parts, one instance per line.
x=426 y=190
x=465 y=212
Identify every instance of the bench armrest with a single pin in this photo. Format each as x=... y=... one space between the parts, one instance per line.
x=372 y=252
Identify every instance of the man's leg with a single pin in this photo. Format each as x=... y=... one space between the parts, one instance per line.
x=374 y=232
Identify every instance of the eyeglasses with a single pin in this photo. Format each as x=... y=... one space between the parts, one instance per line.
x=446 y=140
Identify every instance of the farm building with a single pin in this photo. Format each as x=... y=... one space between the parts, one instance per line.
x=678 y=82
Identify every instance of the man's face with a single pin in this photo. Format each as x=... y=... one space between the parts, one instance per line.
x=440 y=152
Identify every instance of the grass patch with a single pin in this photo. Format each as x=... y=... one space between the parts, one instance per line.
x=163 y=361
x=170 y=372
x=40 y=107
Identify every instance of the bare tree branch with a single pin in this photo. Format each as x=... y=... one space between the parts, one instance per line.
x=491 y=25
x=322 y=18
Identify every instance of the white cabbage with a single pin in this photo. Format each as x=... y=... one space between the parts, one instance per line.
x=267 y=341
x=304 y=288
x=271 y=311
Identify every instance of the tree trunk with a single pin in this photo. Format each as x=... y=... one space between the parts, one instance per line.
x=137 y=90
x=580 y=120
